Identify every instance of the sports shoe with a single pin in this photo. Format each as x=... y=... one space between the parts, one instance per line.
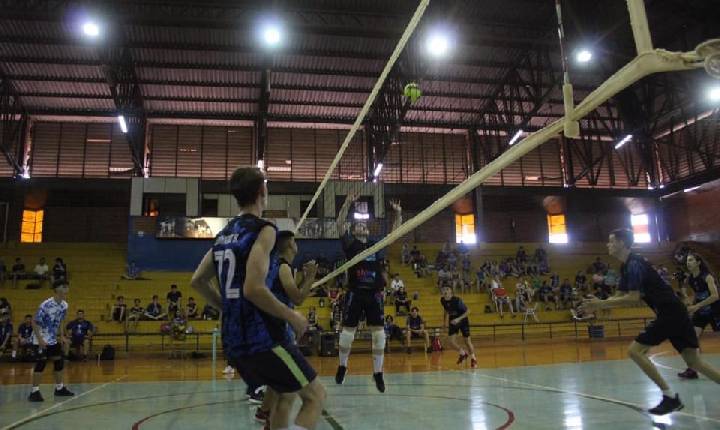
x=473 y=363
x=340 y=375
x=667 y=405
x=379 y=381
x=262 y=416
x=63 y=392
x=257 y=397
x=462 y=357
x=688 y=374
x=35 y=396
x=228 y=370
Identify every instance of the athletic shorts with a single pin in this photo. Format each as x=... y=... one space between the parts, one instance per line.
x=283 y=368
x=463 y=327
x=674 y=326
x=369 y=302
x=77 y=341
x=50 y=351
x=701 y=320
x=414 y=335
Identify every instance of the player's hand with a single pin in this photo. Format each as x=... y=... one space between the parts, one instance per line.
x=299 y=324
x=395 y=205
x=310 y=269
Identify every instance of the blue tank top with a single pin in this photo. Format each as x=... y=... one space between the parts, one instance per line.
x=246 y=329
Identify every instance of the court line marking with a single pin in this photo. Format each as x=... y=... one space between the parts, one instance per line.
x=591 y=396
x=660 y=365
x=57 y=405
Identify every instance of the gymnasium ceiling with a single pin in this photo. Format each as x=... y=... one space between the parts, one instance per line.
x=196 y=60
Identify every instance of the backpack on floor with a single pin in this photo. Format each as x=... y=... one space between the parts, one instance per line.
x=436 y=344
x=108 y=353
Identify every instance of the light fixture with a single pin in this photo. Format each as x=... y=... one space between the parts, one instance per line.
x=583 y=56
x=123 y=124
x=438 y=44
x=91 y=29
x=271 y=33
x=378 y=169
x=515 y=138
x=714 y=94
x=624 y=140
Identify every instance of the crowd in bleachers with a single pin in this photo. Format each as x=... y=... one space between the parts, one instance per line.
x=40 y=273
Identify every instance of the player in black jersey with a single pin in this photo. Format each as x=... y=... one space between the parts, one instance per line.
x=456 y=321
x=706 y=306
x=366 y=283
x=244 y=262
x=640 y=281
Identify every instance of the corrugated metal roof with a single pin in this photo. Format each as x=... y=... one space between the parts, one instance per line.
x=200 y=107
x=53 y=70
x=62 y=88
x=200 y=92
x=226 y=77
x=68 y=103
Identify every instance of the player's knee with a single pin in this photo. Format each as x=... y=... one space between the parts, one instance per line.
x=635 y=350
x=40 y=366
x=378 y=340
x=314 y=393
x=58 y=365
x=347 y=335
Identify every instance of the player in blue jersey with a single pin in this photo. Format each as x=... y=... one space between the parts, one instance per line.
x=237 y=274
x=640 y=281
x=49 y=336
x=366 y=283
x=706 y=306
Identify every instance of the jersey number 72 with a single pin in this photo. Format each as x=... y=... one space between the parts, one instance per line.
x=227 y=273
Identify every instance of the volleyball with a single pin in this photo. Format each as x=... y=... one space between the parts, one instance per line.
x=412 y=91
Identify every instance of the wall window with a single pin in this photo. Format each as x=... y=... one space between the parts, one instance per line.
x=32 y=226
x=557 y=230
x=465 y=229
x=641 y=228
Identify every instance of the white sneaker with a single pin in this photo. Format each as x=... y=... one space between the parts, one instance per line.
x=228 y=370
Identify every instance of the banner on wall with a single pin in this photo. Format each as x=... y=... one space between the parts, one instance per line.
x=180 y=227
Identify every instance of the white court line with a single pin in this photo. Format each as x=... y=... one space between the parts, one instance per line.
x=591 y=396
x=660 y=365
x=57 y=405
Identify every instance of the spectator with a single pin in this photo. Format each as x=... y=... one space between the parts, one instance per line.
x=466 y=267
x=210 y=313
x=521 y=255
x=41 y=271
x=136 y=313
x=415 y=329
x=191 y=310
x=545 y=293
x=580 y=280
x=81 y=331
x=18 y=271
x=401 y=299
x=154 y=310
x=554 y=281
x=405 y=254
x=452 y=261
x=173 y=300
x=611 y=279
x=414 y=253
x=6 y=331
x=392 y=331
x=119 y=309
x=59 y=270
x=312 y=319
x=598 y=266
x=523 y=295
x=444 y=276
x=501 y=297
x=23 y=341
x=566 y=294
x=5 y=308
x=132 y=271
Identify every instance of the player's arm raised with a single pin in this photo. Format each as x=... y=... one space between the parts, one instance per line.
x=204 y=281
x=255 y=289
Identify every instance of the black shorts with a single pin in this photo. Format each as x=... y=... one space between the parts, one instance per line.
x=674 y=326
x=369 y=302
x=463 y=327
x=77 y=341
x=701 y=320
x=283 y=368
x=415 y=335
x=50 y=351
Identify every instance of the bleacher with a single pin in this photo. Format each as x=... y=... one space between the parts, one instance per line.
x=95 y=271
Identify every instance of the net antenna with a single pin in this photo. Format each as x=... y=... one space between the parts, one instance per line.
x=409 y=30
x=647 y=62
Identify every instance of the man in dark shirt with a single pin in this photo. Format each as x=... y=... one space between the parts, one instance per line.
x=23 y=341
x=154 y=310
x=639 y=281
x=6 y=331
x=81 y=331
x=18 y=271
x=173 y=300
x=456 y=320
x=415 y=329
x=366 y=281
x=401 y=300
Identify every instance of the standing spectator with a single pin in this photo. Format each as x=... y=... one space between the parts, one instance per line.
x=23 y=341
x=416 y=328
x=173 y=300
x=59 y=270
x=6 y=331
x=81 y=331
x=566 y=294
x=191 y=310
x=521 y=255
x=405 y=254
x=466 y=267
x=154 y=310
x=41 y=272
x=18 y=271
x=396 y=283
x=119 y=313
x=401 y=299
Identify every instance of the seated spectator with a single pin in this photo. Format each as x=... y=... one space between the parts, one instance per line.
x=210 y=313
x=521 y=254
x=312 y=319
x=23 y=341
x=611 y=278
x=664 y=274
x=405 y=254
x=444 y=276
x=132 y=272
x=580 y=280
x=173 y=300
x=523 y=295
x=41 y=271
x=191 y=309
x=545 y=294
x=396 y=283
x=6 y=332
x=136 y=313
x=18 y=271
x=5 y=308
x=600 y=292
x=401 y=299
x=466 y=266
x=59 y=270
x=415 y=328
x=81 y=331
x=500 y=298
x=452 y=261
x=154 y=310
x=392 y=331
x=598 y=266
x=119 y=309
x=566 y=294
x=414 y=253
